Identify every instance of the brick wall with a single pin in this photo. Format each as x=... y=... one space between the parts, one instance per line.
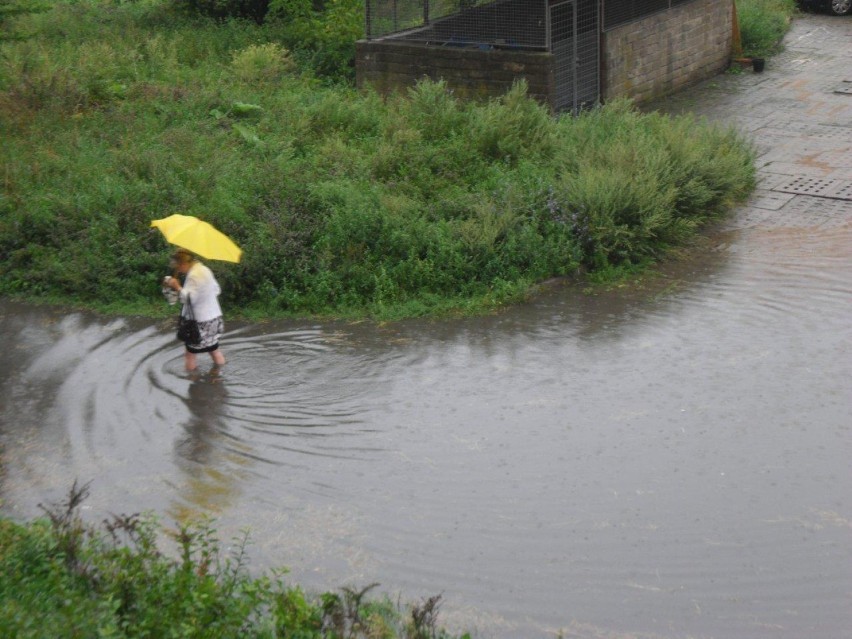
x=392 y=65
x=667 y=51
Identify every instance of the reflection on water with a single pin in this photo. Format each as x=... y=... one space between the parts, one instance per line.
x=200 y=453
x=668 y=460
x=205 y=400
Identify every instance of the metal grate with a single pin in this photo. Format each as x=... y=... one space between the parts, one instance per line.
x=843 y=191
x=393 y=16
x=562 y=44
x=817 y=187
x=588 y=53
x=845 y=88
x=509 y=24
x=618 y=12
x=496 y=23
x=574 y=42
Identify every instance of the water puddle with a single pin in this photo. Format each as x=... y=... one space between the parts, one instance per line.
x=668 y=460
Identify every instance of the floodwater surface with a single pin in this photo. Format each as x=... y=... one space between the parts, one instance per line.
x=668 y=460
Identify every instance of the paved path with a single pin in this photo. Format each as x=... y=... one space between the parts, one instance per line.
x=798 y=112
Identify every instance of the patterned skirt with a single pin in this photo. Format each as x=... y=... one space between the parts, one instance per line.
x=210 y=331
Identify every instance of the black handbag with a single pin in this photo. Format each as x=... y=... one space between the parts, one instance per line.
x=187 y=330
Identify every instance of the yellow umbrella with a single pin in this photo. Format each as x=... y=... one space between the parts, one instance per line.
x=199 y=237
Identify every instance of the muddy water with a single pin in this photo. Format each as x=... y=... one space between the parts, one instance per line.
x=667 y=461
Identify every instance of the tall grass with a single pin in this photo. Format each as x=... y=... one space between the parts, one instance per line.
x=763 y=24
x=115 y=114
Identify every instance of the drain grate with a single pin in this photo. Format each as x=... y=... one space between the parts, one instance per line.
x=817 y=187
x=844 y=192
x=845 y=88
x=836 y=133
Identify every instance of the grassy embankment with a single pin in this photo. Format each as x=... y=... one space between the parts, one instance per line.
x=112 y=114
x=65 y=579
x=763 y=24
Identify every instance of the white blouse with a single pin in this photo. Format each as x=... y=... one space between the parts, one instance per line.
x=202 y=290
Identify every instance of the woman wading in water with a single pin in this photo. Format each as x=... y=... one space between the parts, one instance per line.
x=199 y=295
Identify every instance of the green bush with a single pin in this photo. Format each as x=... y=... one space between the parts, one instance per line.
x=253 y=9
x=638 y=184
x=343 y=201
x=64 y=578
x=762 y=25
x=267 y=62
x=322 y=32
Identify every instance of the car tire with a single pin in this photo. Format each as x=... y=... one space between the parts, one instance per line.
x=840 y=7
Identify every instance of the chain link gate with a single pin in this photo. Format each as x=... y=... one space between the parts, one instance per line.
x=569 y=29
x=574 y=41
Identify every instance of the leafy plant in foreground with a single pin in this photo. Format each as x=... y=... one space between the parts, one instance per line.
x=63 y=577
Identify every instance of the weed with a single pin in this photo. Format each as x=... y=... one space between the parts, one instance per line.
x=762 y=24
x=262 y=63
x=65 y=578
x=424 y=617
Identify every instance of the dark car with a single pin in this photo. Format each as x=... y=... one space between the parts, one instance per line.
x=837 y=7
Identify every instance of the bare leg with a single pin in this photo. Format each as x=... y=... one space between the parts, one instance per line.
x=218 y=357
x=189 y=361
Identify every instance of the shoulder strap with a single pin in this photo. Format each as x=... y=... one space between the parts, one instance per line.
x=191 y=314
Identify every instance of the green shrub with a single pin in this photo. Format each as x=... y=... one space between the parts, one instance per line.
x=9 y=9
x=253 y=9
x=65 y=578
x=514 y=127
x=762 y=24
x=343 y=201
x=323 y=33
x=637 y=184
x=262 y=63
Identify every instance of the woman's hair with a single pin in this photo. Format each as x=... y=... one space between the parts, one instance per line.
x=182 y=256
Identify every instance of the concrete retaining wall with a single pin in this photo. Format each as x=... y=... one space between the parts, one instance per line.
x=667 y=51
x=392 y=65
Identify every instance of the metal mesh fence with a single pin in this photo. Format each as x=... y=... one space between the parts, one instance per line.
x=618 y=12
x=518 y=24
x=575 y=41
x=488 y=23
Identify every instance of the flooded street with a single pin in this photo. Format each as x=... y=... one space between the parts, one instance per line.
x=665 y=461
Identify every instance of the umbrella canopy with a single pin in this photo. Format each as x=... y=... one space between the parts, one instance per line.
x=198 y=236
